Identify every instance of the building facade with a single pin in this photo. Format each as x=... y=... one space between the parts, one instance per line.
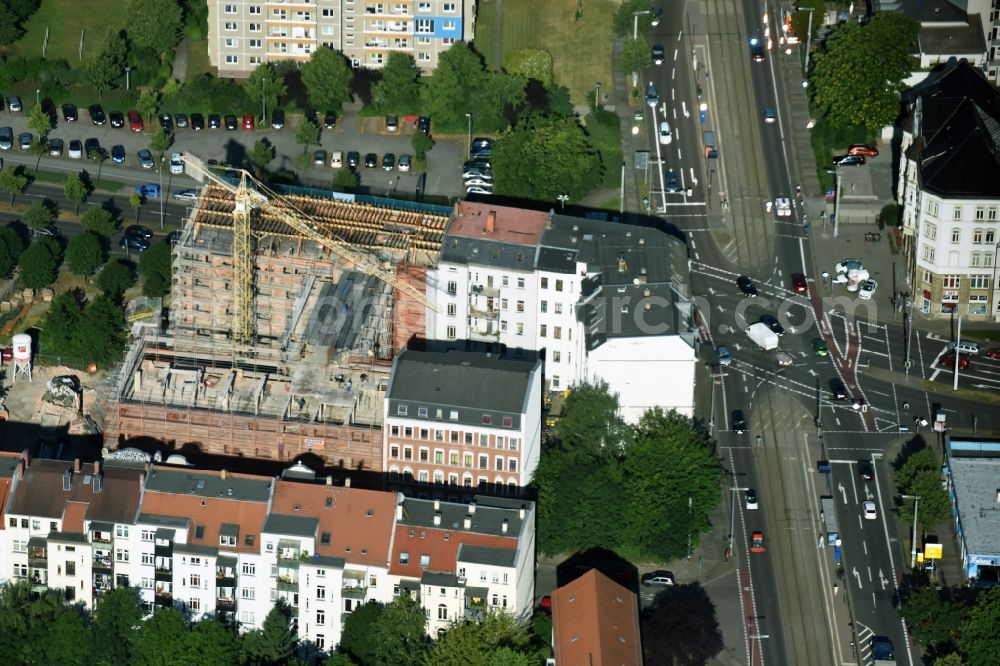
x=245 y=33
x=949 y=193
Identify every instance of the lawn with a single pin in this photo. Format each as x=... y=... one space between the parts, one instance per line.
x=64 y=20
x=198 y=62
x=580 y=49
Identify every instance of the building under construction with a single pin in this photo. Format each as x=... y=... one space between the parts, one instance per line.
x=311 y=376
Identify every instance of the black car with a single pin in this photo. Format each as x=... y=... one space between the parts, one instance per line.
x=214 y=121
x=55 y=147
x=671 y=183
x=197 y=121
x=865 y=470
x=481 y=164
x=70 y=113
x=371 y=160
x=772 y=323
x=116 y=119
x=424 y=124
x=166 y=122
x=118 y=154
x=49 y=109
x=746 y=285
x=329 y=120
x=838 y=389
x=138 y=230
x=91 y=147
x=739 y=422
x=353 y=158
x=757 y=52
x=133 y=243
x=230 y=122
x=180 y=120
x=277 y=119
x=849 y=160
x=480 y=143
x=311 y=117
x=96 y=114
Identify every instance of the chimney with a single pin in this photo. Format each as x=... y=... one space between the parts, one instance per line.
x=622 y=265
x=20 y=471
x=347 y=482
x=76 y=465
x=491 y=222
x=26 y=457
x=472 y=507
x=68 y=480
x=437 y=505
x=503 y=526
x=223 y=474
x=437 y=517
x=329 y=480
x=521 y=512
x=467 y=523
x=399 y=512
x=97 y=467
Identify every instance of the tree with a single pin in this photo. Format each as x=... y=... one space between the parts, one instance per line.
x=39 y=215
x=103 y=339
x=103 y=69
x=399 y=88
x=935 y=616
x=98 y=156
x=116 y=278
x=75 y=190
x=623 y=21
x=680 y=628
x=135 y=201
x=99 y=221
x=306 y=133
x=495 y=102
x=68 y=641
x=400 y=636
x=116 y=617
x=25 y=623
x=84 y=253
x=153 y=24
x=979 y=641
x=265 y=83
x=210 y=643
x=449 y=91
x=147 y=104
x=530 y=64
x=10 y=29
x=261 y=154
x=13 y=181
x=160 y=141
x=11 y=247
x=636 y=55
x=920 y=475
x=327 y=78
x=857 y=77
x=275 y=641
x=477 y=643
x=358 y=636
x=671 y=468
x=345 y=179
x=61 y=324
x=39 y=121
x=39 y=264
x=543 y=158
x=421 y=144
x=154 y=267
x=163 y=637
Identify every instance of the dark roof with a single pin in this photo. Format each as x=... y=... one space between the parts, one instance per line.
x=153 y=519
x=40 y=493
x=209 y=484
x=953 y=40
x=458 y=250
x=279 y=523
x=323 y=561
x=439 y=579
x=473 y=384
x=487 y=519
x=498 y=557
x=931 y=11
x=195 y=549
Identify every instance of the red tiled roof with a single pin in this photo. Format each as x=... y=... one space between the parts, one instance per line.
x=442 y=551
x=510 y=225
x=211 y=513
x=357 y=519
x=73 y=516
x=595 y=622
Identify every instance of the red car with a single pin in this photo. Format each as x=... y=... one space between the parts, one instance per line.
x=757 y=542
x=994 y=353
x=248 y=123
x=863 y=150
x=134 y=121
x=546 y=605
x=948 y=360
x=799 y=283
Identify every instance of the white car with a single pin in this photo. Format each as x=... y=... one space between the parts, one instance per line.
x=666 y=136
x=176 y=164
x=867 y=289
x=783 y=207
x=751 y=498
x=869 y=510
x=476 y=189
x=186 y=195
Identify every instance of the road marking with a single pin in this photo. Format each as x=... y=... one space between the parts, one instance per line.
x=857 y=575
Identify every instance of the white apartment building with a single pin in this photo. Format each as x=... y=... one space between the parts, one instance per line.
x=457 y=421
x=245 y=33
x=231 y=545
x=949 y=192
x=594 y=299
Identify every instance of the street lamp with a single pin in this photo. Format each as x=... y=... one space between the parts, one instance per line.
x=127 y=79
x=732 y=520
x=597 y=95
x=37 y=101
x=263 y=100
x=562 y=199
x=809 y=32
x=836 y=201
x=654 y=21
x=755 y=637
x=913 y=543
x=468 y=142
x=161 y=192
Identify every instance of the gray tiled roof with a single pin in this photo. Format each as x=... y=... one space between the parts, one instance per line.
x=498 y=557
x=279 y=523
x=170 y=521
x=208 y=484
x=487 y=519
x=323 y=561
x=439 y=579
x=487 y=252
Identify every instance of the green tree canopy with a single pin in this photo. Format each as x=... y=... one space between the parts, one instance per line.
x=99 y=221
x=103 y=339
x=13 y=181
x=623 y=21
x=107 y=66
x=85 y=253
x=400 y=636
x=115 y=623
x=935 y=616
x=61 y=323
x=75 y=190
x=275 y=641
x=265 y=81
x=68 y=641
x=153 y=24
x=857 y=77
x=422 y=143
x=479 y=643
x=920 y=475
x=24 y=617
x=40 y=262
x=358 y=636
x=163 y=639
x=345 y=179
x=160 y=141
x=543 y=158
x=261 y=154
x=211 y=643
x=39 y=121
x=11 y=247
x=117 y=277
x=154 y=267
x=979 y=641
x=39 y=215
x=680 y=627
x=147 y=104
x=399 y=89
x=449 y=91
x=327 y=78
x=306 y=134
x=636 y=55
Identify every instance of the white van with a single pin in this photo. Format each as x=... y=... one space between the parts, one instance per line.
x=337 y=159
x=964 y=347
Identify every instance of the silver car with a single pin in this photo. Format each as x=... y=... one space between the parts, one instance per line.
x=145 y=159
x=6 y=138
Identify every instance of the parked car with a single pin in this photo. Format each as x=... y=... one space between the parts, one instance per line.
x=181 y=120
x=55 y=147
x=849 y=160
x=476 y=174
x=277 y=119
x=671 y=183
x=388 y=162
x=24 y=140
x=404 y=163
x=751 y=499
x=799 y=283
x=176 y=164
x=91 y=148
x=867 y=289
x=133 y=243
x=657 y=53
x=424 y=124
x=138 y=230
x=965 y=347
x=75 y=151
x=97 y=116
x=118 y=154
x=248 y=123
x=865 y=470
x=772 y=323
x=70 y=114
x=197 y=122
x=145 y=159
x=49 y=108
x=838 y=389
x=135 y=121
x=739 y=421
x=329 y=120
x=371 y=161
x=50 y=230
x=149 y=190
x=478 y=189
x=746 y=285
x=230 y=121
x=319 y=157
x=6 y=138
x=658 y=578
x=862 y=149
x=391 y=124
x=666 y=136
x=994 y=353
x=14 y=104
x=353 y=158
x=477 y=182
x=116 y=119
x=214 y=121
x=336 y=159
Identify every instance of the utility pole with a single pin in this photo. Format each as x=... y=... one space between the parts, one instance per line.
x=690 y=518
x=732 y=520
x=809 y=34
x=913 y=544
x=836 y=203
x=757 y=637
x=958 y=342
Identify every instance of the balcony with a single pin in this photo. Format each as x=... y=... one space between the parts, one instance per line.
x=38 y=554
x=349 y=591
x=225 y=605
x=287 y=583
x=103 y=561
x=163 y=573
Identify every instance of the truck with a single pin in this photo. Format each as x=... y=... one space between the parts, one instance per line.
x=711 y=147
x=763 y=336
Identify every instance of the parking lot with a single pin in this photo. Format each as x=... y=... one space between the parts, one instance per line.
x=234 y=146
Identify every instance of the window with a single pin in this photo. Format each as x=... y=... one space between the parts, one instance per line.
x=230 y=9
x=422 y=412
x=520 y=283
x=401 y=410
x=442 y=612
x=512 y=443
x=452 y=288
x=556 y=356
x=450 y=25
x=956 y=213
x=508 y=422
x=255 y=43
x=927 y=253
x=511 y=464
x=504 y=304
x=976 y=259
x=543 y=330
x=230 y=26
x=559 y=285
x=977 y=304
x=452 y=309
x=555 y=381
x=979 y=281
x=484 y=461
x=448 y=8
x=557 y=332
x=519 y=328
x=956 y=235
x=980 y=213
x=930 y=231
x=394 y=451
x=498 y=463
x=425 y=560
x=545 y=283
x=951 y=281
x=425 y=26
x=438 y=457
x=254 y=27
x=404 y=558
x=247 y=593
x=424 y=454
x=425 y=433
x=505 y=281
x=991 y=213
x=423 y=6
x=487 y=420
x=232 y=43
x=408 y=431
x=558 y=308
x=928 y=277
x=249 y=569
x=451 y=333
x=468 y=438
x=453 y=458
x=467 y=459
x=520 y=306
x=326 y=13
x=320 y=617
x=121 y=555
x=932 y=208
x=977 y=236
x=990 y=236
x=146 y=558
x=254 y=10
x=543 y=307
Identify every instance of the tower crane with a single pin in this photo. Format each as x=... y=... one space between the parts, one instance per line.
x=251 y=194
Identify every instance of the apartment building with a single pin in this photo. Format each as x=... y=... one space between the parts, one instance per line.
x=245 y=33
x=231 y=545
x=462 y=420
x=595 y=621
x=949 y=192
x=597 y=300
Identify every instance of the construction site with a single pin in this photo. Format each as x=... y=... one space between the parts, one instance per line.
x=284 y=316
